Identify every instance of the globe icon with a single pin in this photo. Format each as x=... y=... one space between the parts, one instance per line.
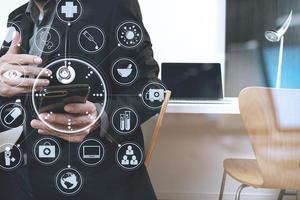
x=69 y=181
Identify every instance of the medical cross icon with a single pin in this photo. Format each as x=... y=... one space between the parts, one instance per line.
x=69 y=9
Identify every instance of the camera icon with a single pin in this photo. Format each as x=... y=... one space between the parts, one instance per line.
x=47 y=151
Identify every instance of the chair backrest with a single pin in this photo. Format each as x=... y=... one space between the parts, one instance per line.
x=272 y=120
x=151 y=129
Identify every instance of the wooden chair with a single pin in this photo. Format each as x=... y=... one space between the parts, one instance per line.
x=272 y=120
x=151 y=129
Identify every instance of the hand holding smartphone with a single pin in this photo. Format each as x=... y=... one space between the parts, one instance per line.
x=54 y=98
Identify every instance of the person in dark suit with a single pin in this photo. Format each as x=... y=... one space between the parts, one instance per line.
x=106 y=181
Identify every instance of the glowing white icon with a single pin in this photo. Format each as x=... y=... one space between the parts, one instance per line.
x=12 y=74
x=69 y=181
x=10 y=34
x=69 y=9
x=66 y=74
x=130 y=34
x=155 y=95
x=130 y=153
x=124 y=73
x=46 y=39
x=88 y=36
x=91 y=152
x=13 y=115
x=47 y=150
x=9 y=159
x=125 y=121
x=129 y=156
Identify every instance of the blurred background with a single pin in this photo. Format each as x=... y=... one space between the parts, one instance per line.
x=250 y=58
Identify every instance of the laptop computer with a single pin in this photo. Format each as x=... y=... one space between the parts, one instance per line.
x=194 y=82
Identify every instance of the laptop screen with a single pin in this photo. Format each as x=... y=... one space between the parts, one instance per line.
x=193 y=81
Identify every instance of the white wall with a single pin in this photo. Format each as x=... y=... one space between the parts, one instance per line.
x=5 y=9
x=181 y=31
x=186 y=30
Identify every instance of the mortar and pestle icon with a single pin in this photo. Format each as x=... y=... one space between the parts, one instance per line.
x=125 y=72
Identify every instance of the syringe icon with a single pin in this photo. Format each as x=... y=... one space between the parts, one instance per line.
x=91 y=39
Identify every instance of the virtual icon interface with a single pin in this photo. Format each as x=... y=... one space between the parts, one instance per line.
x=47 y=40
x=129 y=34
x=129 y=156
x=47 y=151
x=153 y=95
x=15 y=75
x=74 y=81
x=125 y=120
x=11 y=157
x=91 y=152
x=91 y=39
x=12 y=115
x=69 y=10
x=69 y=181
x=66 y=74
x=125 y=71
x=12 y=74
x=11 y=33
x=68 y=86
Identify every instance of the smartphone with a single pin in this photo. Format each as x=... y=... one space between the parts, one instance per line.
x=54 y=98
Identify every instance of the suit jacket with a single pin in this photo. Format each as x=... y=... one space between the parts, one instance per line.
x=107 y=181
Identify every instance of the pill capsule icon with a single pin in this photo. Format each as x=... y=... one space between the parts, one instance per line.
x=13 y=115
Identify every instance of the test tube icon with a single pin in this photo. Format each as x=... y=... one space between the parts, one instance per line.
x=125 y=121
x=122 y=122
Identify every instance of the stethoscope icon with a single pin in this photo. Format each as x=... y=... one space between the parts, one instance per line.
x=46 y=39
x=65 y=74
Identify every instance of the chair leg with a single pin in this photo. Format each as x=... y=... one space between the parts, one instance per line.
x=239 y=191
x=281 y=195
x=223 y=185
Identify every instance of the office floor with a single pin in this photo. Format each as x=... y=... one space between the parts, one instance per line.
x=187 y=163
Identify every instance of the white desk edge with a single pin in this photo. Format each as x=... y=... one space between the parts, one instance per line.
x=230 y=106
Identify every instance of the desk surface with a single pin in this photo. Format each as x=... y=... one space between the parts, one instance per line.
x=230 y=106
